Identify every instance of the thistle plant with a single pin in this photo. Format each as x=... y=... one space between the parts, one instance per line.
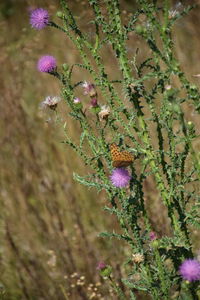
x=123 y=110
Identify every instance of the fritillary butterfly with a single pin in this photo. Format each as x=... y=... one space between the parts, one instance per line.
x=120 y=158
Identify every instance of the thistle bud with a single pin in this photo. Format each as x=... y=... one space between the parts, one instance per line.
x=59 y=14
x=77 y=103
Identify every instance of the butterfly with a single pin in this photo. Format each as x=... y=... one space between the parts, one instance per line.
x=120 y=158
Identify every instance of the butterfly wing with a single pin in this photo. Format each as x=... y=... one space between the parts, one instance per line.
x=120 y=158
x=121 y=163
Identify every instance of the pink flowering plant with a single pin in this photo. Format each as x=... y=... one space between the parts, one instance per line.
x=39 y=18
x=167 y=267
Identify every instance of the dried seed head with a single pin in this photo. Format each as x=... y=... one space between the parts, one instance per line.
x=104 y=113
x=177 y=9
x=137 y=258
x=51 y=102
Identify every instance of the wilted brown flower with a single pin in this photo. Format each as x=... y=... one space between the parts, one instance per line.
x=137 y=258
x=104 y=113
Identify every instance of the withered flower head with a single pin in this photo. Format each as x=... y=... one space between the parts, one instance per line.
x=137 y=258
x=104 y=113
x=89 y=89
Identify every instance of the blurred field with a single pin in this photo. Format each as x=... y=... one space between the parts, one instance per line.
x=49 y=224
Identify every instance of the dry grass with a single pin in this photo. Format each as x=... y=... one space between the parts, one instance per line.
x=49 y=224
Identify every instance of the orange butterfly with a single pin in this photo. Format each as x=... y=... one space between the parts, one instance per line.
x=120 y=158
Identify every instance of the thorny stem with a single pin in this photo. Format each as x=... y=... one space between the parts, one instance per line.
x=134 y=126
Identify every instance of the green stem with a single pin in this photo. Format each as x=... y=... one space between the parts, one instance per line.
x=162 y=274
x=117 y=289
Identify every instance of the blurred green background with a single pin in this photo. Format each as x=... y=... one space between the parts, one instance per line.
x=49 y=224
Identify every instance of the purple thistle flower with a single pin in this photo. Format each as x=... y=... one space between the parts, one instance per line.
x=93 y=102
x=46 y=63
x=152 y=236
x=190 y=270
x=39 y=18
x=77 y=100
x=120 y=177
x=101 y=265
